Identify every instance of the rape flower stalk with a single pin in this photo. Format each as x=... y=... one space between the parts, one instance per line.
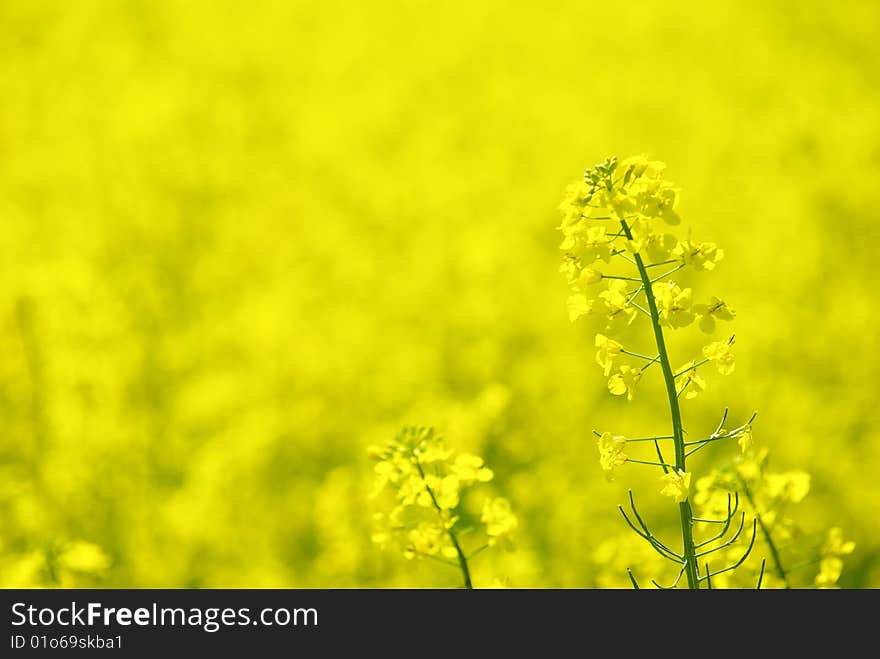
x=612 y=217
x=429 y=481
x=766 y=533
x=769 y=495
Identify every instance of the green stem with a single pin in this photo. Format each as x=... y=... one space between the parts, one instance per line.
x=620 y=278
x=648 y=462
x=684 y=508
x=639 y=355
x=462 y=559
x=768 y=538
x=692 y=367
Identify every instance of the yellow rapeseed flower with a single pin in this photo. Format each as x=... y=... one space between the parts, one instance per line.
x=676 y=484
x=716 y=309
x=790 y=486
x=611 y=452
x=499 y=521
x=700 y=256
x=624 y=381
x=606 y=351
x=578 y=305
x=835 y=544
x=719 y=352
x=674 y=305
x=469 y=468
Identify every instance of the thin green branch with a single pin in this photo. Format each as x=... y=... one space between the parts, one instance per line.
x=666 y=274
x=728 y=542
x=681 y=391
x=635 y=294
x=632 y=579
x=742 y=559
x=640 y=308
x=660 y=457
x=650 y=363
x=685 y=513
x=638 y=355
x=462 y=559
x=632 y=505
x=720 y=425
x=692 y=367
x=648 y=439
x=659 y=547
x=768 y=537
x=720 y=534
x=435 y=558
x=715 y=436
x=622 y=253
x=477 y=551
x=656 y=265
x=652 y=464
x=708 y=440
x=604 y=276
x=802 y=565
x=674 y=583
x=731 y=511
x=637 y=439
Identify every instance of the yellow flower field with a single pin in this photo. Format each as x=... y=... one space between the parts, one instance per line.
x=242 y=243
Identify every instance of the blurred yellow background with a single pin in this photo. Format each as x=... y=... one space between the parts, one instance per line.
x=241 y=241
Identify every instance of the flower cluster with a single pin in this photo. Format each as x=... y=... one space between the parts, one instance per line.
x=676 y=485
x=620 y=211
x=620 y=256
x=771 y=492
x=769 y=495
x=611 y=452
x=831 y=563
x=615 y=227
x=619 y=215
x=429 y=482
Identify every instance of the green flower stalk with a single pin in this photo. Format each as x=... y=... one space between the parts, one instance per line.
x=614 y=236
x=429 y=481
x=769 y=496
